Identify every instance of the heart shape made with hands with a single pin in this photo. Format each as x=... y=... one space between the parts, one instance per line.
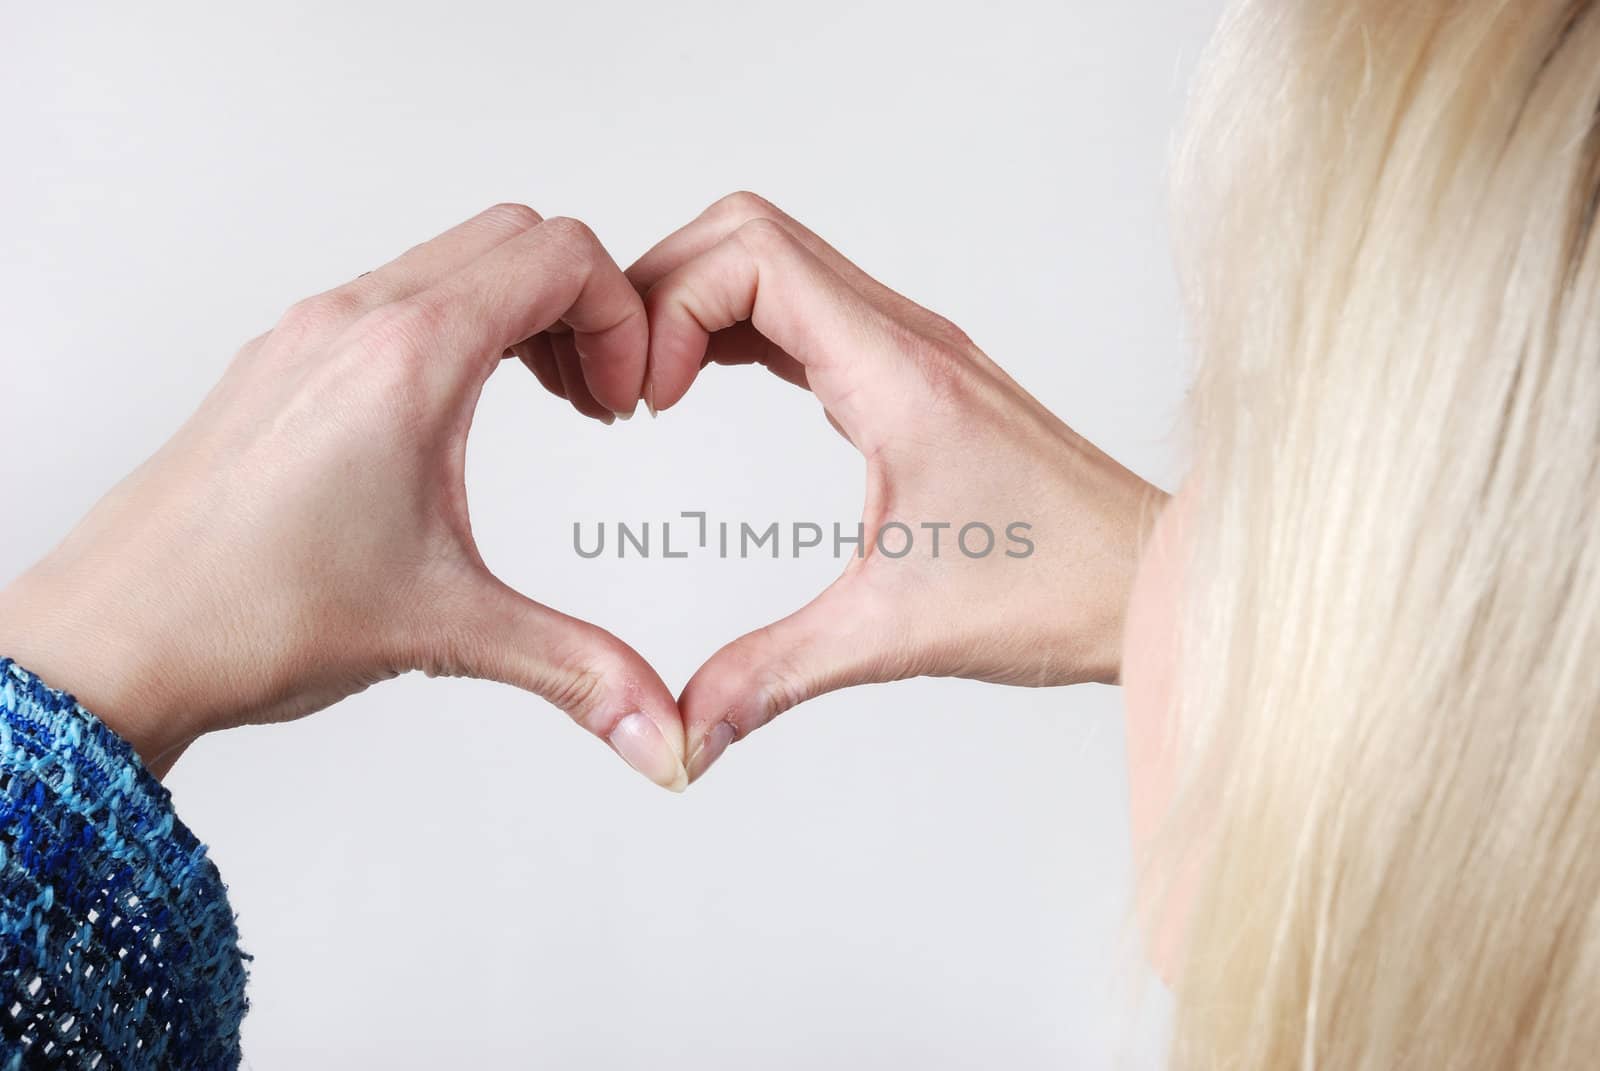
x=272 y=557
x=948 y=438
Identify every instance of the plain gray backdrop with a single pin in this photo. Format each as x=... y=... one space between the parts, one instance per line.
x=933 y=874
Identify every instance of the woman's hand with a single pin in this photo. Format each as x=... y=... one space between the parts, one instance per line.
x=305 y=534
x=949 y=440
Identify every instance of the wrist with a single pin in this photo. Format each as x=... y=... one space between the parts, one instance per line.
x=1124 y=510
x=58 y=628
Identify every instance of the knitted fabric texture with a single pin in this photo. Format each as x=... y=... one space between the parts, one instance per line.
x=117 y=945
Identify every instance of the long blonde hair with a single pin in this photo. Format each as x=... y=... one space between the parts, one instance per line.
x=1391 y=646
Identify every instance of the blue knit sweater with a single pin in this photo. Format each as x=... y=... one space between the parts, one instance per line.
x=117 y=944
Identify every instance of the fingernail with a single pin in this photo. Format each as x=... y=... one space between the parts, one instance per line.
x=607 y=419
x=642 y=746
x=623 y=416
x=711 y=748
x=650 y=399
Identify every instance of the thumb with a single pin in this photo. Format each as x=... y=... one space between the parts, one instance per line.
x=601 y=682
x=842 y=638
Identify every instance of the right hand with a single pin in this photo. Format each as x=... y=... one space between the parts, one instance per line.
x=948 y=437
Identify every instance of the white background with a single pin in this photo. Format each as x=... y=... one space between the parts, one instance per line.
x=932 y=874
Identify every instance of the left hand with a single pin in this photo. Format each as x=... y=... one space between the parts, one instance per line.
x=306 y=534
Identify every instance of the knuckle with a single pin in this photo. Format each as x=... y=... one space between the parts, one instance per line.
x=779 y=691
x=777 y=695
x=763 y=234
x=322 y=313
x=576 y=692
x=579 y=686
x=570 y=246
x=742 y=205
x=570 y=233
x=512 y=217
x=779 y=682
x=248 y=351
x=398 y=329
x=949 y=333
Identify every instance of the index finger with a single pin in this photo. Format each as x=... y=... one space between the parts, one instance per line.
x=734 y=211
x=849 y=349
x=555 y=272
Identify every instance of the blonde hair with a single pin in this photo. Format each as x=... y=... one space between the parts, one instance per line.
x=1391 y=646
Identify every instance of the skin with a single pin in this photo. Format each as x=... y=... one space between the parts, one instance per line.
x=306 y=533
x=946 y=436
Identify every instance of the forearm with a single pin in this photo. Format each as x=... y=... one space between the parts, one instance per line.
x=73 y=637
